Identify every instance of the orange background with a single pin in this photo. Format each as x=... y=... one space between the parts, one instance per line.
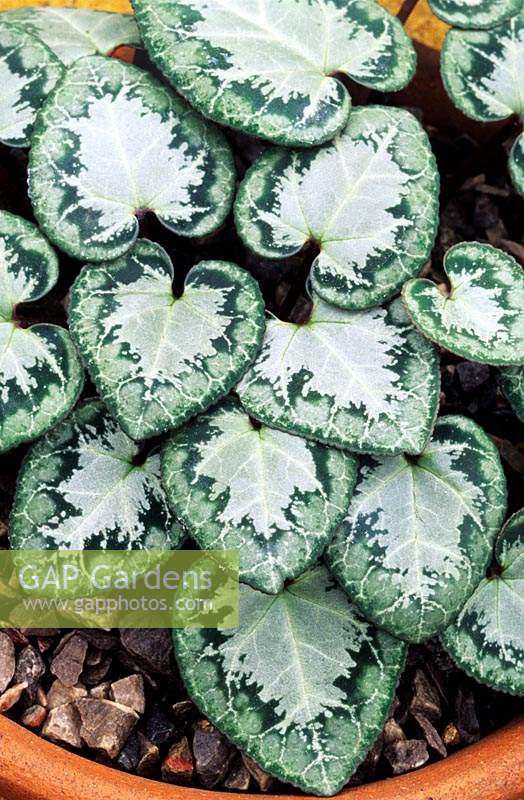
x=422 y=25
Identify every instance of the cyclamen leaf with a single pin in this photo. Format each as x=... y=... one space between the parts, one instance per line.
x=516 y=164
x=361 y=380
x=369 y=200
x=80 y=488
x=269 y=67
x=512 y=380
x=41 y=375
x=75 y=32
x=112 y=143
x=481 y=317
x=303 y=686
x=487 y=640
x=419 y=533
x=483 y=71
x=276 y=497
x=28 y=72
x=158 y=360
x=475 y=14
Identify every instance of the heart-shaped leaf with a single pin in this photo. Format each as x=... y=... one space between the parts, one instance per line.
x=86 y=486
x=475 y=14
x=75 y=32
x=516 y=163
x=487 y=640
x=158 y=360
x=276 y=497
x=362 y=380
x=270 y=67
x=28 y=72
x=112 y=143
x=512 y=380
x=41 y=375
x=480 y=317
x=419 y=533
x=369 y=201
x=303 y=686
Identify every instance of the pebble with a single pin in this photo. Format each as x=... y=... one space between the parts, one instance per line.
x=105 y=726
x=129 y=755
x=130 y=692
x=426 y=699
x=213 y=754
x=159 y=728
x=59 y=694
x=406 y=755
x=431 y=734
x=149 y=756
x=30 y=667
x=7 y=661
x=239 y=777
x=264 y=780
x=34 y=716
x=177 y=766
x=153 y=649
x=68 y=662
x=62 y=726
x=11 y=696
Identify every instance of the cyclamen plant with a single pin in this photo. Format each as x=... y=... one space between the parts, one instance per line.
x=309 y=441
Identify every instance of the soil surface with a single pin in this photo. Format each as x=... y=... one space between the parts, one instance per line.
x=116 y=696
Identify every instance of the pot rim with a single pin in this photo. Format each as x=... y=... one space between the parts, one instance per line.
x=32 y=768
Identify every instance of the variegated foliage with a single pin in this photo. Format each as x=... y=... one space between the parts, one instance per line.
x=516 y=163
x=157 y=360
x=112 y=143
x=512 y=381
x=419 y=533
x=269 y=67
x=277 y=498
x=303 y=686
x=361 y=380
x=483 y=72
x=369 y=201
x=480 y=317
x=28 y=72
x=487 y=640
x=75 y=32
x=475 y=14
x=86 y=486
x=41 y=375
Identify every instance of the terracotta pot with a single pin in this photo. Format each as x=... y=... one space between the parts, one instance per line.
x=33 y=769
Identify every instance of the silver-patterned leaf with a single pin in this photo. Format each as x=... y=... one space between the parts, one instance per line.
x=362 y=380
x=86 y=486
x=112 y=143
x=157 y=360
x=72 y=33
x=270 y=67
x=475 y=14
x=516 y=164
x=276 y=497
x=41 y=375
x=369 y=201
x=480 y=317
x=28 y=72
x=419 y=533
x=303 y=686
x=512 y=381
x=487 y=640
x=483 y=71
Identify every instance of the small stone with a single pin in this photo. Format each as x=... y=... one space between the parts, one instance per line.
x=239 y=777
x=129 y=755
x=393 y=732
x=94 y=657
x=34 y=716
x=99 y=639
x=94 y=675
x=130 y=692
x=213 y=754
x=102 y=691
x=68 y=663
x=30 y=667
x=159 y=728
x=467 y=721
x=153 y=649
x=472 y=376
x=264 y=780
x=406 y=755
x=425 y=699
x=177 y=767
x=431 y=734
x=184 y=711
x=105 y=725
x=10 y=697
x=62 y=726
x=60 y=695
x=149 y=756
x=451 y=736
x=7 y=661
